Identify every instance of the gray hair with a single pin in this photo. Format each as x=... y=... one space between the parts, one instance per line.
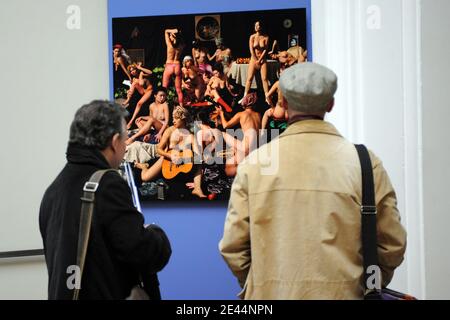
x=96 y=123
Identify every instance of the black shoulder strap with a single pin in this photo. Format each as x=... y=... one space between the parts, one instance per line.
x=87 y=209
x=368 y=213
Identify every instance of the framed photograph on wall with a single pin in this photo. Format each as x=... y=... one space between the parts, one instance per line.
x=207 y=27
x=189 y=80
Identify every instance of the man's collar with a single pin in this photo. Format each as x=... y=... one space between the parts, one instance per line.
x=298 y=118
x=311 y=126
x=86 y=155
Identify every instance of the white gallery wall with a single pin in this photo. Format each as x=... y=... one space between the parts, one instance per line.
x=436 y=145
x=392 y=60
x=50 y=67
x=391 y=57
x=364 y=42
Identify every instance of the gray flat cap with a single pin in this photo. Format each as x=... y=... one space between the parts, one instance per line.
x=308 y=87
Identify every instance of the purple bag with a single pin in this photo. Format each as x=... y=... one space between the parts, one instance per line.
x=387 y=294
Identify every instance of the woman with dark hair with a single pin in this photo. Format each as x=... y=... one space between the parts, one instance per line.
x=218 y=91
x=218 y=88
x=250 y=123
x=145 y=89
x=258 y=44
x=200 y=55
x=120 y=62
x=157 y=119
x=276 y=117
x=139 y=83
x=175 y=46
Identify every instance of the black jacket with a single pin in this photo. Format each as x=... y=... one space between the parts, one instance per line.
x=120 y=248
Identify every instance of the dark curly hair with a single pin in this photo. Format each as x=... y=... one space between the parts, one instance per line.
x=96 y=123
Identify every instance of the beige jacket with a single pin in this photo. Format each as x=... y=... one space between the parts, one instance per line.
x=296 y=234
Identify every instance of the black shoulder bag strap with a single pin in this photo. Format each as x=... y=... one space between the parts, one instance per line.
x=368 y=214
x=87 y=209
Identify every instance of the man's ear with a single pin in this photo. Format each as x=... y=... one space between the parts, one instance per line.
x=330 y=106
x=115 y=141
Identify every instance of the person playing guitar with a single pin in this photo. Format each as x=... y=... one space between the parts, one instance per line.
x=176 y=144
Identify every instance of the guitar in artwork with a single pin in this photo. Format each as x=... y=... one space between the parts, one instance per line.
x=186 y=162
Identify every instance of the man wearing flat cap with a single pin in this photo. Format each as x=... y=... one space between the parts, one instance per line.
x=296 y=233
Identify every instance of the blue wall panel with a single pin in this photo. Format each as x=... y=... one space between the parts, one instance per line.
x=196 y=269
